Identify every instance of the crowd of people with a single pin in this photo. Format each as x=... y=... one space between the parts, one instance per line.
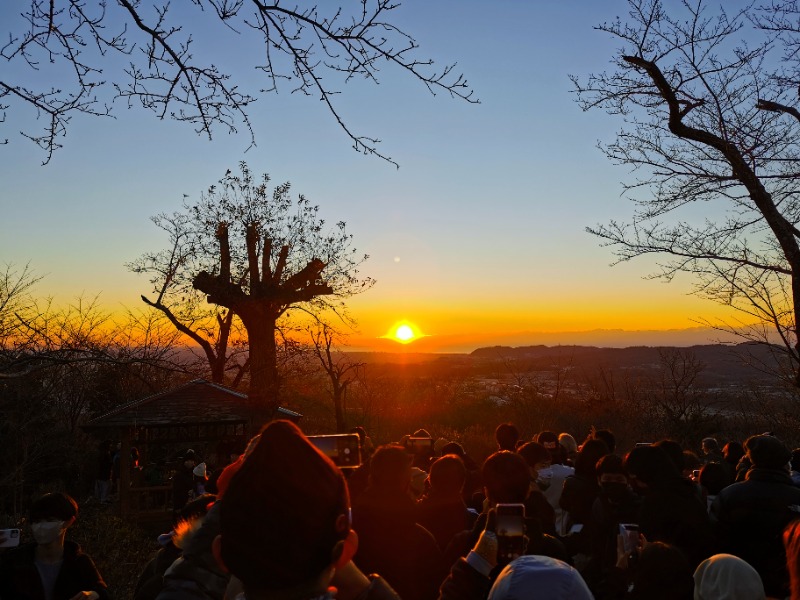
x=545 y=518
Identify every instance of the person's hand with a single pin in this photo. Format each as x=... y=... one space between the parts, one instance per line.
x=623 y=557
x=487 y=545
x=86 y=596
x=349 y=582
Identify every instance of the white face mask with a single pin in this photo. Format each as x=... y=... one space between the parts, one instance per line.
x=46 y=532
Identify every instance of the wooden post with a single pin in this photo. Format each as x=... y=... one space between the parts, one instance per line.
x=125 y=473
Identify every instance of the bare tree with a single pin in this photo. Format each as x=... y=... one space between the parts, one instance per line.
x=684 y=405
x=217 y=331
x=259 y=253
x=15 y=298
x=340 y=370
x=312 y=50
x=717 y=192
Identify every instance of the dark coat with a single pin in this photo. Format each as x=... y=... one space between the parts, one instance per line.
x=537 y=507
x=392 y=543
x=464 y=583
x=577 y=496
x=672 y=512
x=749 y=519
x=598 y=539
x=19 y=578
x=151 y=581
x=444 y=517
x=104 y=465
x=197 y=574
x=182 y=487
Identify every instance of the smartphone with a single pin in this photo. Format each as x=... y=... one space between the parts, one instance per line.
x=630 y=536
x=10 y=538
x=420 y=445
x=643 y=444
x=510 y=532
x=343 y=449
x=696 y=475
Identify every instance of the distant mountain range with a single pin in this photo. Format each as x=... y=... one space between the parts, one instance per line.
x=606 y=338
x=722 y=364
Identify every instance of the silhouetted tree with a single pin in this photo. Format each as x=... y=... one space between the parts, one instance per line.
x=701 y=129
x=341 y=370
x=313 y=50
x=259 y=253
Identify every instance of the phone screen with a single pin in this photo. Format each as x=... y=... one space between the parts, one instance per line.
x=510 y=529
x=343 y=449
x=419 y=445
x=9 y=537
x=630 y=536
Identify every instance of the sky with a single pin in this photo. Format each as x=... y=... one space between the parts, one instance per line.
x=478 y=238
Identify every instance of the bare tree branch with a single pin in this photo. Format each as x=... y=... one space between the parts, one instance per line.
x=317 y=50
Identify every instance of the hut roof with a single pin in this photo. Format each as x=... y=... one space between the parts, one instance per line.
x=196 y=402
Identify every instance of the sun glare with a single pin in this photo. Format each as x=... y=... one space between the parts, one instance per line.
x=403 y=332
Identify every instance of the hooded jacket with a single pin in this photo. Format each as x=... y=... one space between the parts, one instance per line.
x=196 y=574
x=151 y=581
x=20 y=580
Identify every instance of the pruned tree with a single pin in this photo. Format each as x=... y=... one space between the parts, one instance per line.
x=717 y=188
x=313 y=50
x=260 y=253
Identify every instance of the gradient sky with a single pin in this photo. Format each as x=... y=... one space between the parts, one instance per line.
x=479 y=235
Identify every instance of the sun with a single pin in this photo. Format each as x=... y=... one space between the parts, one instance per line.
x=403 y=332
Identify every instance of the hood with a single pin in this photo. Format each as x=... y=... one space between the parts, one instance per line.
x=727 y=577
x=185 y=531
x=539 y=577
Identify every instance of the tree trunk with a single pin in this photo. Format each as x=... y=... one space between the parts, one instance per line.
x=218 y=370
x=341 y=426
x=264 y=381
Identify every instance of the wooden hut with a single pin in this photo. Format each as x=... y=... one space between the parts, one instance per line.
x=207 y=417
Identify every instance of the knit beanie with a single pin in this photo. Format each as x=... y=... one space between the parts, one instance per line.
x=279 y=512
